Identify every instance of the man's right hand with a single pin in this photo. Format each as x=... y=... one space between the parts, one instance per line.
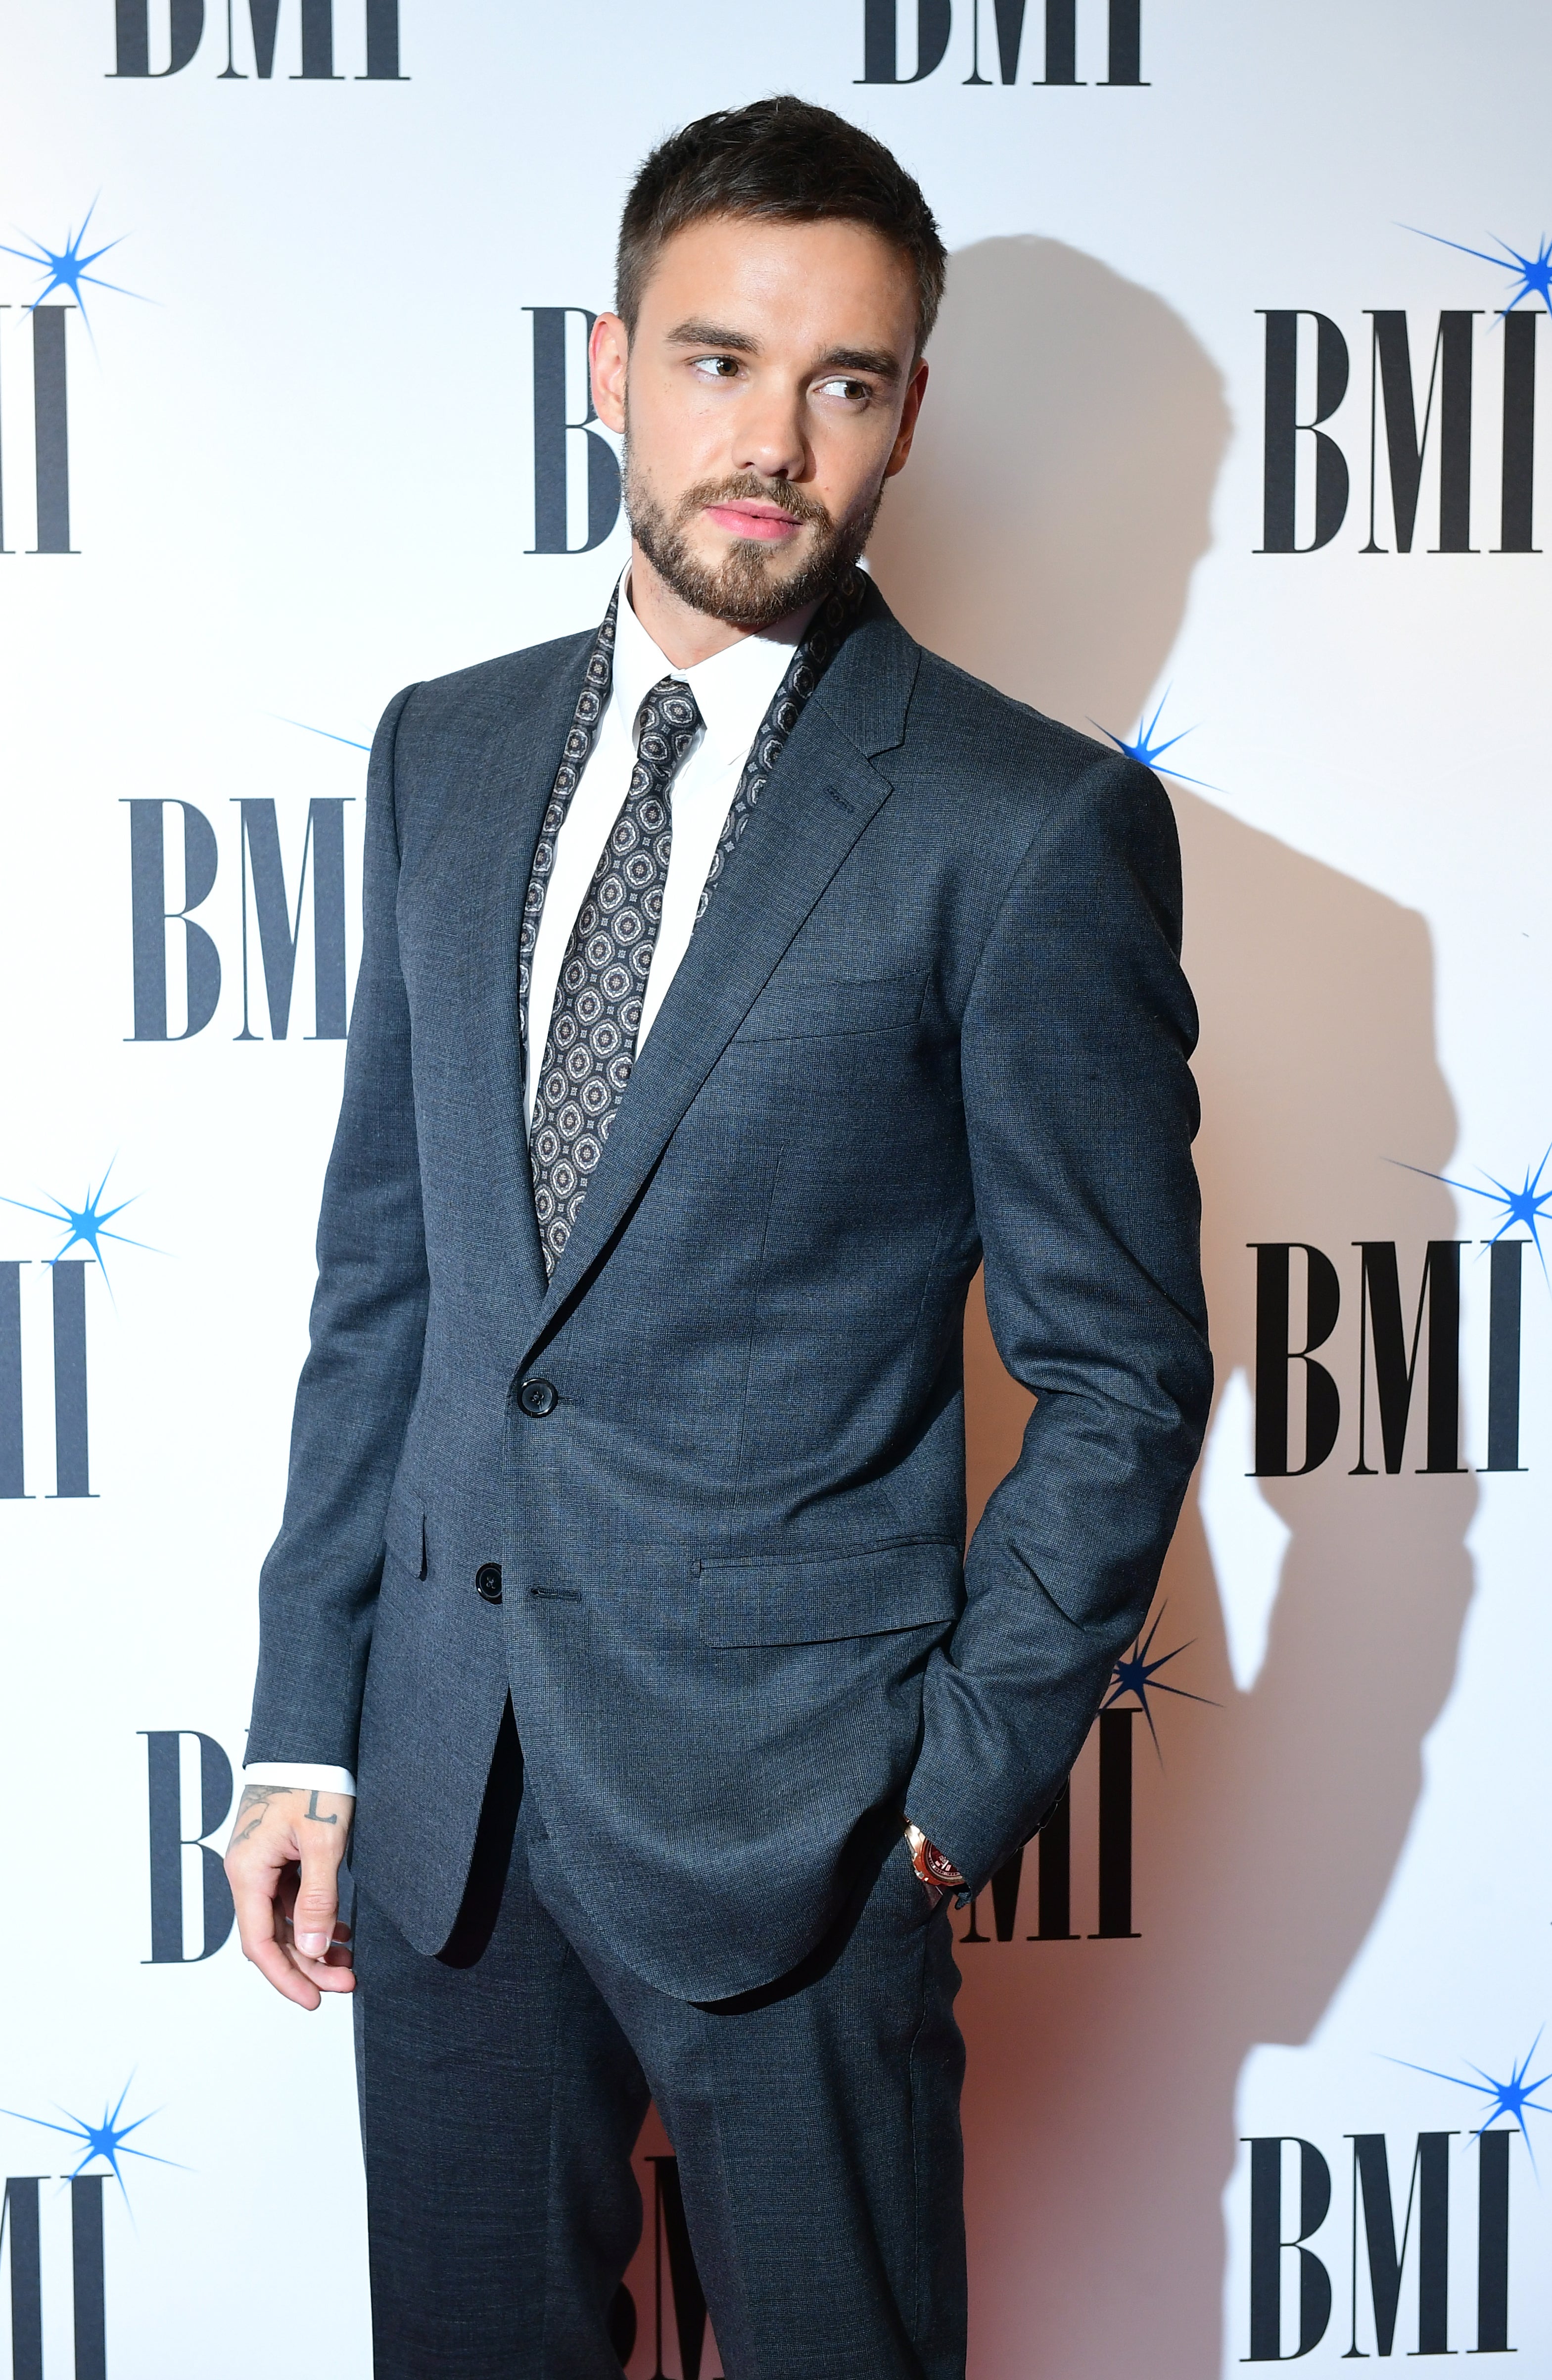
x=282 y=1865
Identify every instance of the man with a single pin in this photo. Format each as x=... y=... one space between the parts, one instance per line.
x=736 y=976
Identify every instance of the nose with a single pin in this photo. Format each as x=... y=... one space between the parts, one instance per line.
x=769 y=435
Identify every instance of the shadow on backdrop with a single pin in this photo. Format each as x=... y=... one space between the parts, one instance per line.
x=1044 y=537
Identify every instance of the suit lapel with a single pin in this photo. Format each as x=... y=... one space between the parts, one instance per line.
x=822 y=794
x=515 y=788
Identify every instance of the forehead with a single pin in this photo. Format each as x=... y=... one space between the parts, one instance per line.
x=797 y=284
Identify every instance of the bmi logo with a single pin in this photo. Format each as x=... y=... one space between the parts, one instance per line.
x=87 y=1226
x=27 y=2216
x=686 y=2293
x=996 y=52
x=575 y=475
x=1409 y=1329
x=1051 y=1905
x=1396 y=2242
x=1424 y=420
x=67 y=267
x=175 y=959
x=176 y=30
x=189 y=1779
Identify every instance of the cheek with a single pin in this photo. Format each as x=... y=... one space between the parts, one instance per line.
x=849 y=458
x=678 y=434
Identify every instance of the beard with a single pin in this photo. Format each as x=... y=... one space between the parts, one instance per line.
x=750 y=588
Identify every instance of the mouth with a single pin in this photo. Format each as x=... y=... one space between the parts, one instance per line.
x=766 y=523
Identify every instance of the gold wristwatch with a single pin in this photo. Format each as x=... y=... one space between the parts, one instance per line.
x=936 y=1870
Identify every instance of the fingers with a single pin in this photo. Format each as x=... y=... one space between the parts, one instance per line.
x=315 y=1912
x=283 y=1866
x=332 y=1971
x=259 y=1926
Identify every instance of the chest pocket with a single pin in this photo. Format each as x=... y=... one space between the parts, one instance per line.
x=792 y=1010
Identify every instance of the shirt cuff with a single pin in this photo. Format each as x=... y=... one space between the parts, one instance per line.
x=311 y=1776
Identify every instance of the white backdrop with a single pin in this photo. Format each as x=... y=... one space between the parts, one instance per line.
x=297 y=447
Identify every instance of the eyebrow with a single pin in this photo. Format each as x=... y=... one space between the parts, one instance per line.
x=876 y=360
x=694 y=333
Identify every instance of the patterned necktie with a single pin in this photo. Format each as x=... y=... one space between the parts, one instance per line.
x=596 y=1018
x=827 y=632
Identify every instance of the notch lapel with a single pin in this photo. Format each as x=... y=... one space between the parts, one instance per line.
x=823 y=792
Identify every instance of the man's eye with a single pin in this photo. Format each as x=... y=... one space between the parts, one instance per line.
x=855 y=392
x=716 y=367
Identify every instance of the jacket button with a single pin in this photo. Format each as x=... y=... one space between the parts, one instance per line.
x=488 y=1582
x=537 y=1397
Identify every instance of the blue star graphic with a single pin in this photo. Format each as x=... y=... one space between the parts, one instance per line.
x=107 y=2140
x=1526 y=1207
x=85 y=1226
x=327 y=732
x=1511 y=2098
x=1143 y=747
x=1135 y=1674
x=67 y=267
x=1535 y=272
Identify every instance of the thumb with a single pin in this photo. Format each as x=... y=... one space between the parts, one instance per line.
x=317 y=1903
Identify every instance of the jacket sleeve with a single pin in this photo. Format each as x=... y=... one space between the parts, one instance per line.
x=1080 y=1110
x=318 y=1590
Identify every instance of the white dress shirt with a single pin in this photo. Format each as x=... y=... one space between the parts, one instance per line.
x=733 y=690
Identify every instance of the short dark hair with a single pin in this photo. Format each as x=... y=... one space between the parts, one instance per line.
x=781 y=160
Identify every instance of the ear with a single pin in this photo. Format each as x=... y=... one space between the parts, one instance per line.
x=608 y=353
x=915 y=391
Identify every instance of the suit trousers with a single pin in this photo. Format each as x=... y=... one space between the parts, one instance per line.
x=816 y=2124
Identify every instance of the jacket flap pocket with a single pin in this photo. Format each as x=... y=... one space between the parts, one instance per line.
x=791 y=1010
x=403 y=1531
x=816 y=1602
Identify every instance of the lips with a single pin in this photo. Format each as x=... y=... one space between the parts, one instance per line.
x=767 y=524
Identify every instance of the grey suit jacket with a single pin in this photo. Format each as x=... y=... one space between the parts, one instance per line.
x=935 y=1013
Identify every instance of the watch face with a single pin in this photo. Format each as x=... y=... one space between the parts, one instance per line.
x=932 y=1866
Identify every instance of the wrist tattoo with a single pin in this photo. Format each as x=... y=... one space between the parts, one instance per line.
x=256 y=1798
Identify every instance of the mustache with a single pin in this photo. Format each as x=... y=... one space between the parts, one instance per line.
x=747 y=487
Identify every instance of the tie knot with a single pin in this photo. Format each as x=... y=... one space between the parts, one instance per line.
x=666 y=722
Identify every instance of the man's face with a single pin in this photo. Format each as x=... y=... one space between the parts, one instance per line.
x=770 y=390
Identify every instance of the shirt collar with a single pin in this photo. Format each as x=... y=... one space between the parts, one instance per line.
x=733 y=690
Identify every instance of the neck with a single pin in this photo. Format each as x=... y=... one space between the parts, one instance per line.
x=685 y=636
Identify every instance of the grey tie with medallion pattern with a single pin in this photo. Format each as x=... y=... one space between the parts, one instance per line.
x=596 y=1022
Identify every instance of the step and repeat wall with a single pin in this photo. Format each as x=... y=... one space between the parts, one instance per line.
x=1237 y=451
